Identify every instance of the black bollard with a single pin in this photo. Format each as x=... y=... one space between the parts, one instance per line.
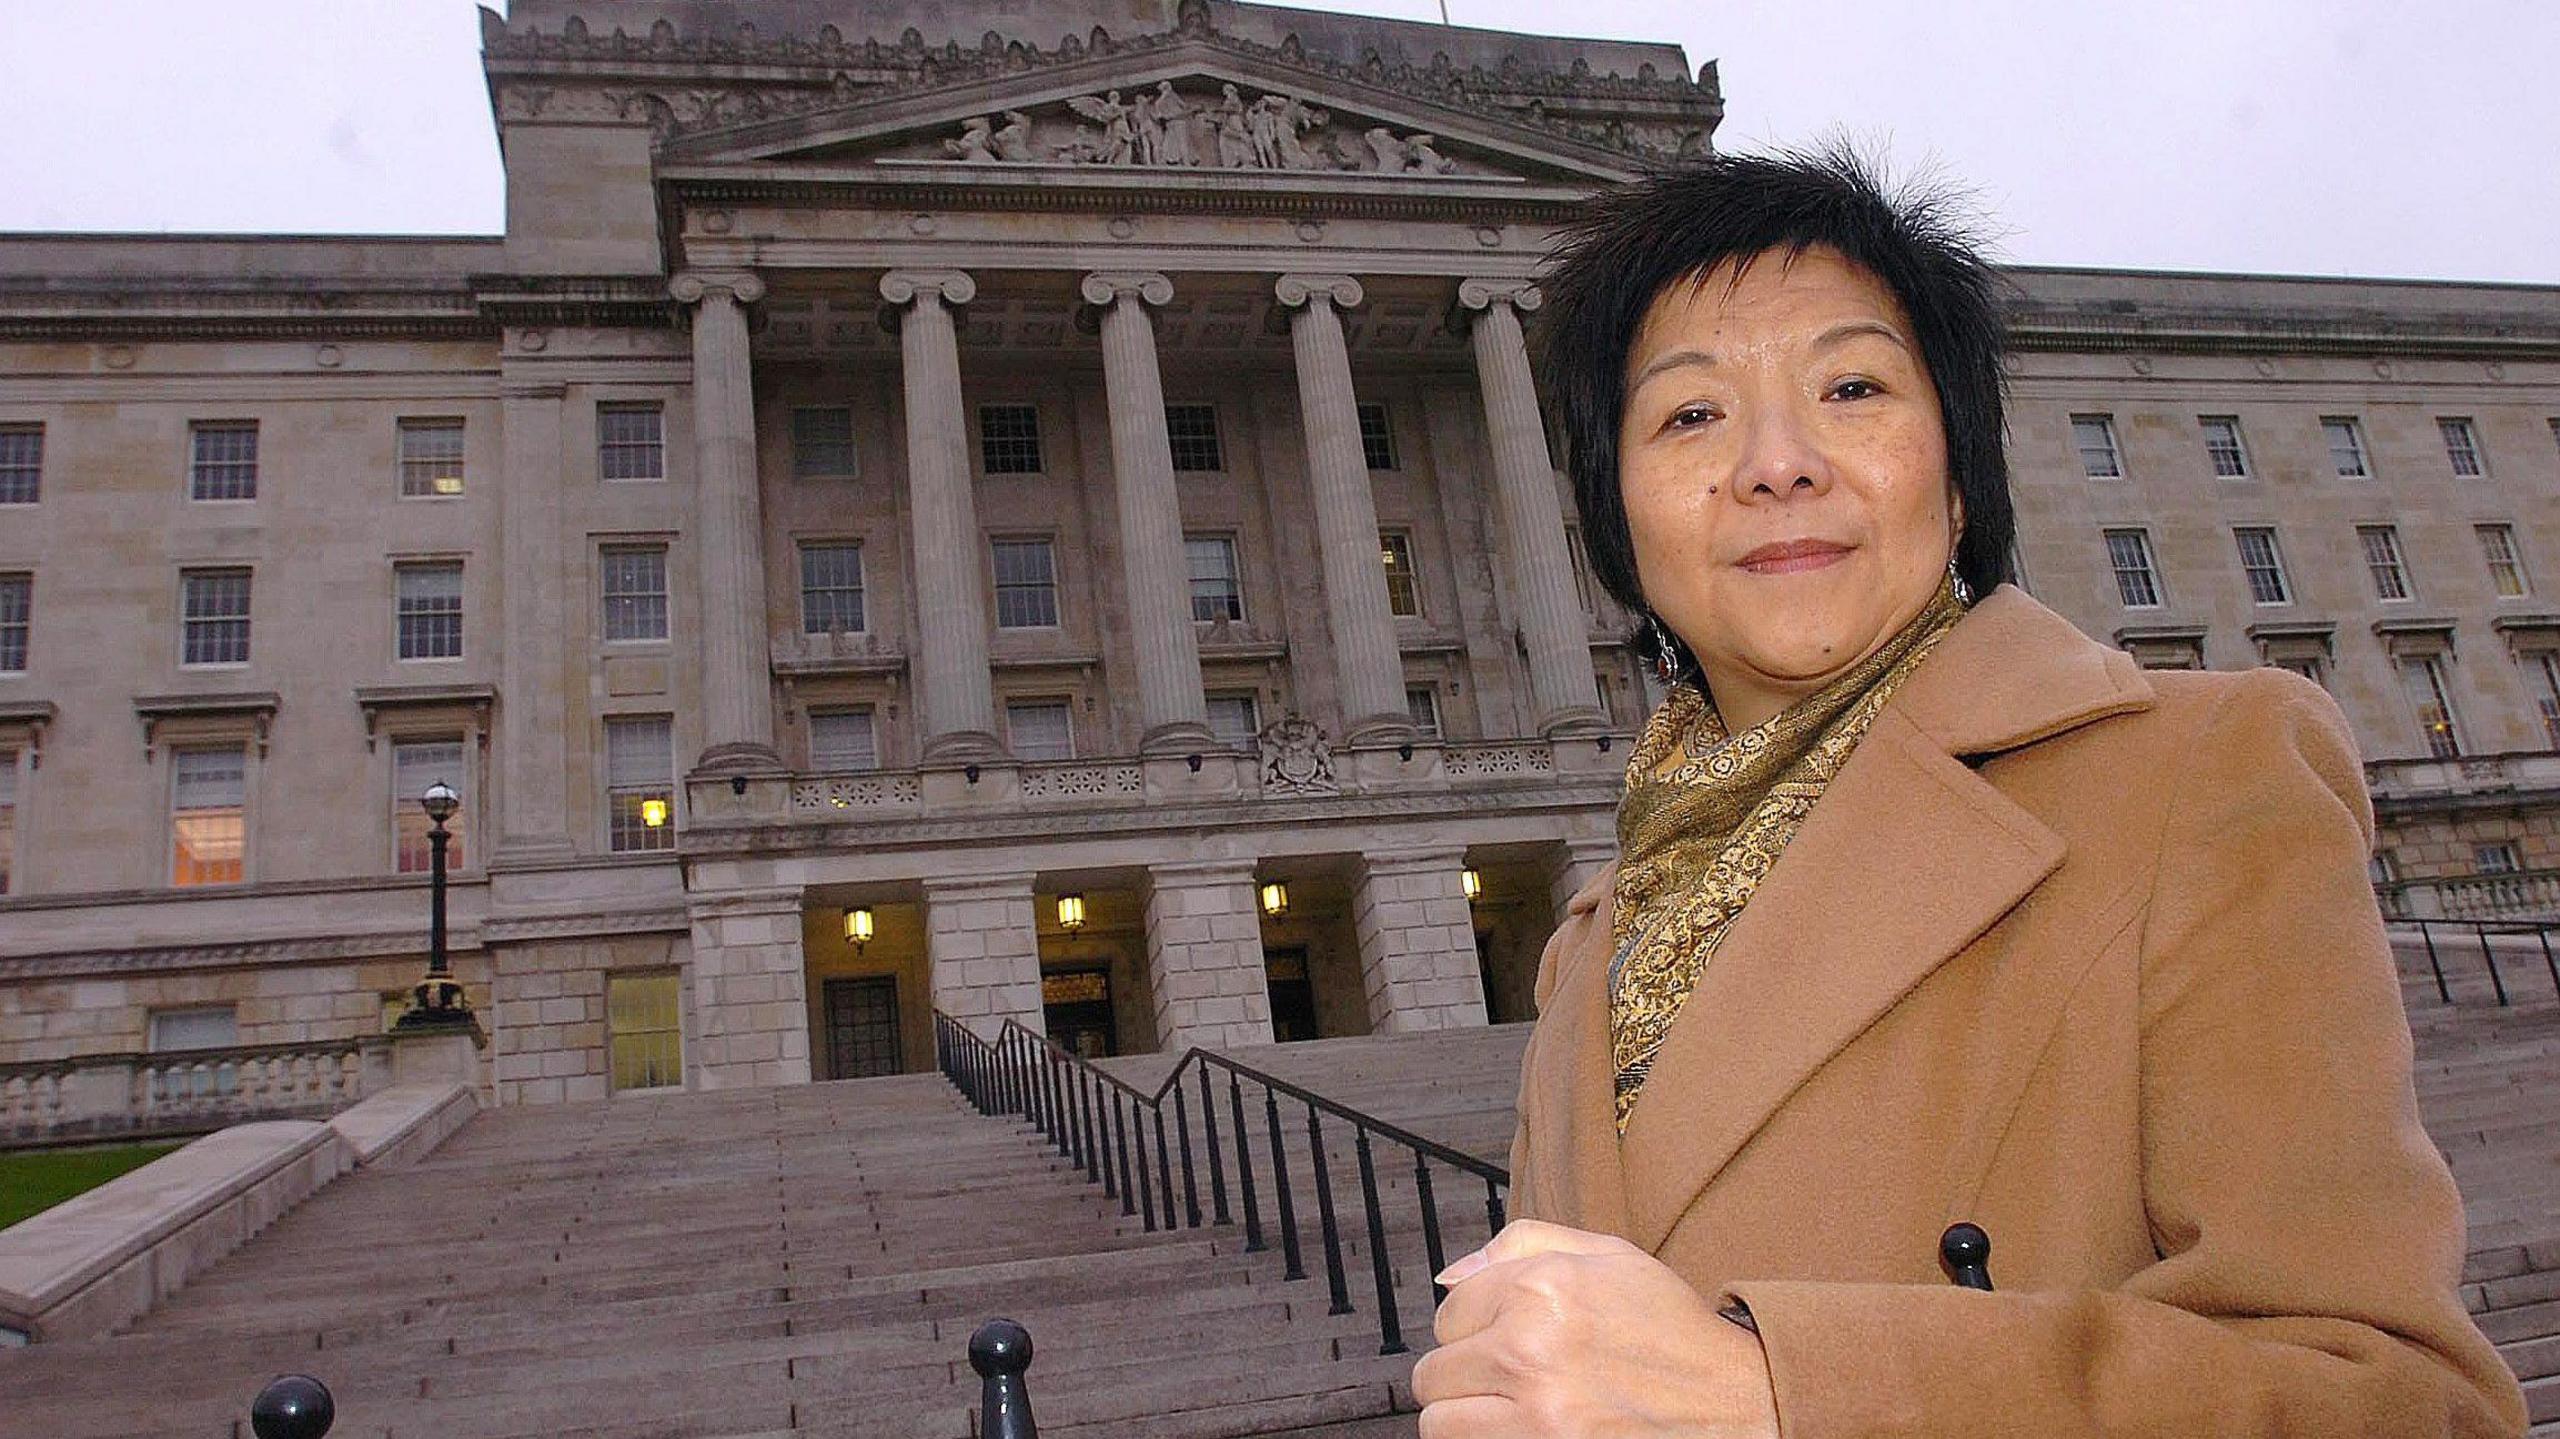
x=1001 y=1353
x=293 y=1406
x=1967 y=1252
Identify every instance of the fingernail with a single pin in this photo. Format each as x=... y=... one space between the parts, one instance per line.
x=1464 y=1267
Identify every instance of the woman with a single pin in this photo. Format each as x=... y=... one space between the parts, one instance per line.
x=1930 y=909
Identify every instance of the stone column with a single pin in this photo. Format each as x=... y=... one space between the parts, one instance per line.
x=1577 y=862
x=949 y=659
x=1204 y=956
x=1175 y=710
x=737 y=667
x=1552 y=626
x=533 y=816
x=750 y=991
x=1355 y=586
x=984 y=951
x=1417 y=942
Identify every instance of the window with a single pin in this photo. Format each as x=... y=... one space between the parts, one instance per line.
x=2094 y=436
x=17 y=602
x=2542 y=676
x=21 y=463
x=1215 y=593
x=1378 y=437
x=2222 y=446
x=2422 y=679
x=639 y=772
x=2462 y=447
x=1422 y=706
x=1193 y=431
x=635 y=592
x=831 y=587
x=416 y=764
x=2309 y=666
x=2498 y=547
x=430 y=454
x=8 y=814
x=1580 y=561
x=1039 y=729
x=2382 y=560
x=1026 y=584
x=1009 y=439
x=214 y=628
x=430 y=610
x=211 y=1026
x=644 y=1030
x=2137 y=581
x=2494 y=859
x=821 y=441
x=222 y=462
x=2555 y=430
x=2263 y=565
x=842 y=740
x=2346 y=446
x=1395 y=551
x=1235 y=719
x=208 y=802
x=631 y=441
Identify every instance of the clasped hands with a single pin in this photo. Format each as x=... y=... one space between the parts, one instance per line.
x=1556 y=1333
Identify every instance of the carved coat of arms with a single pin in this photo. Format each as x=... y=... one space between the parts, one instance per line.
x=1296 y=758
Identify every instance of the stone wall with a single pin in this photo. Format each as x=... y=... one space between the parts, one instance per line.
x=984 y=949
x=1204 y=957
x=1417 y=943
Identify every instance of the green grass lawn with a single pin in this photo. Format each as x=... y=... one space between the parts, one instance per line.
x=37 y=1180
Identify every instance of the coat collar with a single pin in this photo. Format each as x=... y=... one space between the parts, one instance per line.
x=1909 y=857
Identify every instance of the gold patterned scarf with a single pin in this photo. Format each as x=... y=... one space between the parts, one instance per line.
x=1705 y=816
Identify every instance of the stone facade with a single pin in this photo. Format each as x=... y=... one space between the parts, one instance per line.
x=939 y=473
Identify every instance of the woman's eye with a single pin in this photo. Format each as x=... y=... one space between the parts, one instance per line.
x=1689 y=416
x=1855 y=389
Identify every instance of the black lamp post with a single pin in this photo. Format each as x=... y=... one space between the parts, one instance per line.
x=437 y=999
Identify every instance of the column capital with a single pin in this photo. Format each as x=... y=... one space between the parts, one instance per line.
x=953 y=287
x=694 y=286
x=1102 y=287
x=1294 y=290
x=1481 y=294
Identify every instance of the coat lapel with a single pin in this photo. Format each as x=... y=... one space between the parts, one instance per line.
x=1583 y=1183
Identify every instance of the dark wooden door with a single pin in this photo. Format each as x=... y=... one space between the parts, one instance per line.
x=862 y=1028
x=1076 y=1005
x=1293 y=994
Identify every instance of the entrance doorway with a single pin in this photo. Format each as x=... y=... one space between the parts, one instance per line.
x=862 y=1027
x=1293 y=994
x=1076 y=1005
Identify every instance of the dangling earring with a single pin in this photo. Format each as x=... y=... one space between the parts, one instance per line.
x=1666 y=666
x=1955 y=577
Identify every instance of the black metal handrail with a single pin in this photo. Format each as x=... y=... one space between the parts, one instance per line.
x=2482 y=929
x=1094 y=1119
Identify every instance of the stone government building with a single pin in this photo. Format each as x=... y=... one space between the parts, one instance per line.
x=1067 y=498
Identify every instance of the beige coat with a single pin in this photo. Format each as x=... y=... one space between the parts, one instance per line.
x=2087 y=955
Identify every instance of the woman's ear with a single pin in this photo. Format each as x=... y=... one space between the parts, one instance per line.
x=1955 y=518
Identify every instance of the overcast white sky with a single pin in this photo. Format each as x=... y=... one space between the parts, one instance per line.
x=2370 y=137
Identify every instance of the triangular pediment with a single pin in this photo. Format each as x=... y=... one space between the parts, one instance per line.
x=1189 y=107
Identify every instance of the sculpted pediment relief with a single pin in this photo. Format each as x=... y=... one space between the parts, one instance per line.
x=1198 y=124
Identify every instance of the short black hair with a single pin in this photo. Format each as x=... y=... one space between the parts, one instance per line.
x=1626 y=245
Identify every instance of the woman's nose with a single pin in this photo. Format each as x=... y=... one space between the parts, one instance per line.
x=1781 y=459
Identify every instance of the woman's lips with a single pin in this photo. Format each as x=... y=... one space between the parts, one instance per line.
x=1787 y=557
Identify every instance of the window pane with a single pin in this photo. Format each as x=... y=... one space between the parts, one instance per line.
x=640 y=782
x=1395 y=552
x=1422 y=705
x=2422 y=679
x=8 y=814
x=2222 y=444
x=21 y=463
x=2137 y=583
x=2542 y=676
x=2382 y=561
x=2095 y=438
x=831 y=588
x=416 y=764
x=842 y=740
x=1039 y=730
x=1026 y=584
x=223 y=460
x=2346 y=445
x=2461 y=447
x=1193 y=431
x=635 y=592
x=1009 y=439
x=644 y=1025
x=17 y=604
x=2494 y=859
x=1235 y=720
x=822 y=441
x=430 y=611
x=1215 y=595
x=215 y=606
x=2506 y=567
x=208 y=815
x=209 y=1027
x=1377 y=437
x=631 y=441
x=430 y=457
x=2264 y=568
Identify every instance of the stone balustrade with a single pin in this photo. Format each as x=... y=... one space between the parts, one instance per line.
x=2435 y=779
x=186 y=1091
x=2523 y=894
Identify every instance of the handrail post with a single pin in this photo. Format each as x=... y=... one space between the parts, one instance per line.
x=1164 y=1167
x=1431 y=1251
x=1244 y=1172
x=2496 y=981
x=1294 y=1269
x=2543 y=932
x=1001 y=1353
x=1217 y=1167
x=292 y=1406
x=1390 y=1323
x=1095 y=1171
x=1120 y=1142
x=1182 y=1132
x=2444 y=991
x=1324 y=1214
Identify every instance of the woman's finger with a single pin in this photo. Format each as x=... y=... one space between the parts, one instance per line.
x=1477 y=1416
x=1526 y=1239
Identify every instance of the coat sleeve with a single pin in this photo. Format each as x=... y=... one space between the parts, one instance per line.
x=2310 y=1238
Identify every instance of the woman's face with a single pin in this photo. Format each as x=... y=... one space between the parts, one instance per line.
x=1784 y=469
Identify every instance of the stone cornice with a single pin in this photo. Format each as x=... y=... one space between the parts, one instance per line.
x=2271 y=331
x=166 y=958
x=1096 y=189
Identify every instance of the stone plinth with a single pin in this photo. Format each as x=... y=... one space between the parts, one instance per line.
x=750 y=998
x=1204 y=957
x=1417 y=943
x=984 y=950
